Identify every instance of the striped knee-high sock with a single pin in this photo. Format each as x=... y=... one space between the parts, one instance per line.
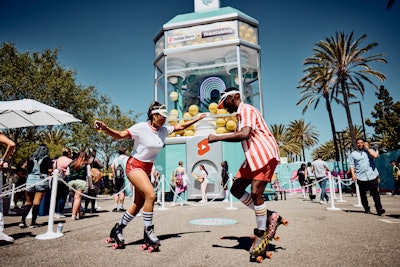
x=247 y=200
x=126 y=219
x=147 y=218
x=261 y=216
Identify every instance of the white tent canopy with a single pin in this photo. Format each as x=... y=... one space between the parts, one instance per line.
x=28 y=112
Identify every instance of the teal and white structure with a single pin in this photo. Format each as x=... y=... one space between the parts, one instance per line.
x=197 y=56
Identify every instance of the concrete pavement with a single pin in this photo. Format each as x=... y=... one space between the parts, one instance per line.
x=315 y=236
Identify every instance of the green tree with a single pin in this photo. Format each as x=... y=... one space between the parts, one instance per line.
x=387 y=121
x=40 y=76
x=105 y=145
x=348 y=67
x=287 y=146
x=305 y=135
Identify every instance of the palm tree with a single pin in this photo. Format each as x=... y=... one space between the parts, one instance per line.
x=286 y=145
x=305 y=135
x=347 y=67
x=315 y=86
x=326 y=150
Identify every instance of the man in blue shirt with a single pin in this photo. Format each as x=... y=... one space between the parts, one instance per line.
x=364 y=172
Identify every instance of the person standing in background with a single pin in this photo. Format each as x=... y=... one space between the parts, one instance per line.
x=320 y=169
x=365 y=174
x=301 y=175
x=180 y=187
x=61 y=164
x=93 y=190
x=118 y=167
x=9 y=150
x=396 y=174
x=40 y=167
x=312 y=192
x=225 y=179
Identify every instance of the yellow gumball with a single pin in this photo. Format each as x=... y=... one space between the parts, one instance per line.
x=213 y=108
x=193 y=110
x=187 y=116
x=173 y=122
x=172 y=134
x=222 y=111
x=188 y=133
x=220 y=130
x=173 y=112
x=230 y=125
x=220 y=122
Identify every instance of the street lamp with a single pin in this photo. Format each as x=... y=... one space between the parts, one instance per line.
x=362 y=117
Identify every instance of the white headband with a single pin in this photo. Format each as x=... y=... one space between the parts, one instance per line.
x=162 y=112
x=225 y=95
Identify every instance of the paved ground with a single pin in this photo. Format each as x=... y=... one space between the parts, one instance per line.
x=315 y=237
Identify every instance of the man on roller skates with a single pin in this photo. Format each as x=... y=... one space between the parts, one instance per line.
x=262 y=157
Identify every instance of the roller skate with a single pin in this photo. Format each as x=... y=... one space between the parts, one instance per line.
x=258 y=249
x=274 y=220
x=116 y=237
x=151 y=242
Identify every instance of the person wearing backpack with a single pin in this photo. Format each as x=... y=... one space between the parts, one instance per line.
x=40 y=166
x=118 y=167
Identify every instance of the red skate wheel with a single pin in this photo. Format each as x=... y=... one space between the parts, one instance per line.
x=268 y=255
x=115 y=246
x=277 y=238
x=150 y=249
x=143 y=247
x=259 y=259
x=108 y=240
x=285 y=222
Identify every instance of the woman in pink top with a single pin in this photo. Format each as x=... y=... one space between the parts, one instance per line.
x=61 y=164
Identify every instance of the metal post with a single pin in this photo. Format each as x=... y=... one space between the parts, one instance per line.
x=50 y=234
x=162 y=194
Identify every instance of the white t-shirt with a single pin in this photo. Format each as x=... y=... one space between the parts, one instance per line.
x=204 y=174
x=148 y=140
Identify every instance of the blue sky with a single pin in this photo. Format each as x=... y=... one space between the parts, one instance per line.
x=110 y=45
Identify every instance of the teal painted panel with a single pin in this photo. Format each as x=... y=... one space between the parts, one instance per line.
x=234 y=155
x=167 y=161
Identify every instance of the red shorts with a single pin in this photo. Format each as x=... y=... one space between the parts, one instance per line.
x=134 y=164
x=263 y=174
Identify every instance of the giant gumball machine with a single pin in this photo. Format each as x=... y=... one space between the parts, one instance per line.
x=197 y=56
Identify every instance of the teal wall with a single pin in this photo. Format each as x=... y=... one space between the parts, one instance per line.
x=233 y=154
x=167 y=161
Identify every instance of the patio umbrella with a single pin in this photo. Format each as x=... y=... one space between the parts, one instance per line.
x=29 y=112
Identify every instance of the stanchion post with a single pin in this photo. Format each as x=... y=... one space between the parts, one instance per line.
x=12 y=196
x=340 y=190
x=231 y=207
x=334 y=189
x=331 y=188
x=50 y=234
x=358 y=196
x=162 y=194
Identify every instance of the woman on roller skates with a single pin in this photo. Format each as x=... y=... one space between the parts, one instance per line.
x=262 y=157
x=149 y=140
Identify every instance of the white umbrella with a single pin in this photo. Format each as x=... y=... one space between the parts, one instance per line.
x=29 y=112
